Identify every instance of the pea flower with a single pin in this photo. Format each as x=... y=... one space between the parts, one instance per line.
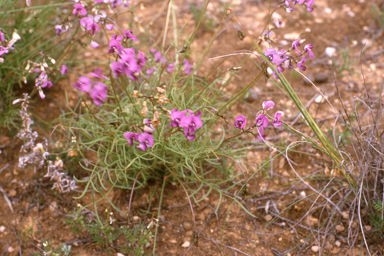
x=79 y=8
x=129 y=35
x=276 y=120
x=94 y=44
x=148 y=127
x=308 y=48
x=59 y=29
x=295 y=44
x=176 y=117
x=84 y=84
x=268 y=104
x=146 y=141
x=99 y=93
x=109 y=27
x=64 y=70
x=301 y=62
x=191 y=123
x=130 y=136
x=240 y=122
x=261 y=122
x=187 y=66
x=89 y=24
x=170 y=68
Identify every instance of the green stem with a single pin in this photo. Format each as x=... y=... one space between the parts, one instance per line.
x=158 y=213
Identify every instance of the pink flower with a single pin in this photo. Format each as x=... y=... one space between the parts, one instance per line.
x=64 y=70
x=79 y=8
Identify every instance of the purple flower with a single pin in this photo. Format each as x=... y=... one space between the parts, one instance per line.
x=64 y=70
x=98 y=74
x=187 y=66
x=295 y=44
x=2 y=38
x=89 y=24
x=262 y=121
x=79 y=8
x=276 y=120
x=115 y=46
x=300 y=63
x=141 y=58
x=176 y=117
x=117 y=68
x=146 y=141
x=99 y=93
x=115 y=2
x=158 y=56
x=308 y=48
x=130 y=136
x=278 y=23
x=84 y=84
x=170 y=68
x=191 y=123
x=109 y=27
x=268 y=104
x=261 y=133
x=4 y=50
x=128 y=34
x=274 y=56
x=59 y=29
x=94 y=44
x=309 y=5
x=148 y=127
x=240 y=122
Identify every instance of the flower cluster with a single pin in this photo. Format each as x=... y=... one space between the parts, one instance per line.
x=261 y=120
x=98 y=91
x=9 y=44
x=188 y=120
x=145 y=138
x=283 y=60
x=130 y=62
x=309 y=4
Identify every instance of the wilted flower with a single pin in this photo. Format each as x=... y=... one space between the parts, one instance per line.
x=240 y=122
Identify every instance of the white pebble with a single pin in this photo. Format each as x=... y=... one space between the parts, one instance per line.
x=2 y=228
x=186 y=244
x=338 y=243
x=330 y=51
x=315 y=248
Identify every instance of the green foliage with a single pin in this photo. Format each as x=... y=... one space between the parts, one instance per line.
x=132 y=240
x=38 y=41
x=61 y=250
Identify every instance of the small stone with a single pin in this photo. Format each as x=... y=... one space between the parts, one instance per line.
x=10 y=249
x=328 y=246
x=345 y=215
x=282 y=162
x=285 y=174
x=315 y=248
x=211 y=230
x=187 y=225
x=120 y=254
x=310 y=77
x=53 y=207
x=186 y=244
x=12 y=192
x=330 y=51
x=321 y=77
x=338 y=243
x=319 y=99
x=340 y=228
x=268 y=217
x=173 y=241
x=2 y=228
x=368 y=228
x=280 y=239
x=136 y=218
x=353 y=224
x=313 y=221
x=251 y=96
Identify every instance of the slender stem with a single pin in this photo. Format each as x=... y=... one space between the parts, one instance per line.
x=116 y=96
x=158 y=213
x=93 y=114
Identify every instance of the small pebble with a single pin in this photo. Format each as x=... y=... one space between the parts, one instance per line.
x=285 y=174
x=187 y=225
x=268 y=217
x=340 y=228
x=330 y=51
x=186 y=244
x=10 y=249
x=319 y=99
x=345 y=215
x=338 y=243
x=120 y=254
x=2 y=228
x=173 y=241
x=136 y=218
x=211 y=230
x=315 y=248
x=321 y=77
x=368 y=228
x=280 y=239
x=12 y=192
